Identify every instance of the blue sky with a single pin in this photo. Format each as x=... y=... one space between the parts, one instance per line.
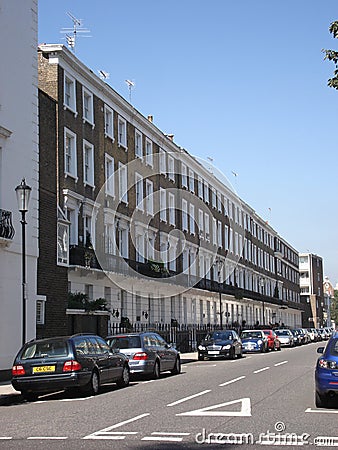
x=240 y=81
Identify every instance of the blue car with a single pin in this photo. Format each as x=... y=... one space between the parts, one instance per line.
x=254 y=341
x=326 y=374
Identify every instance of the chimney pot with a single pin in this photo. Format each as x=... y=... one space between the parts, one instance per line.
x=150 y=118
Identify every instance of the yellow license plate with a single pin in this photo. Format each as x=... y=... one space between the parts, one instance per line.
x=43 y=369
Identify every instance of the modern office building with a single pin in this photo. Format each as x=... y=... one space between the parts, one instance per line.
x=18 y=159
x=311 y=289
x=138 y=221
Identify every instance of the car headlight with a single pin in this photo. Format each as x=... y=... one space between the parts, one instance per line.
x=259 y=342
x=226 y=347
x=201 y=347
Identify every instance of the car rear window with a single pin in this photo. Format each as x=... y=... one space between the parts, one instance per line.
x=124 y=342
x=46 y=349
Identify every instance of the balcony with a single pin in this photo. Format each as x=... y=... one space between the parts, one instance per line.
x=6 y=227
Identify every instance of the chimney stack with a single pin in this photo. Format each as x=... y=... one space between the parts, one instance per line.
x=150 y=118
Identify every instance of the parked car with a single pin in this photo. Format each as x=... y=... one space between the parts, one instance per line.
x=254 y=341
x=326 y=373
x=221 y=343
x=273 y=341
x=313 y=334
x=148 y=353
x=81 y=361
x=297 y=339
x=303 y=336
x=324 y=334
x=286 y=337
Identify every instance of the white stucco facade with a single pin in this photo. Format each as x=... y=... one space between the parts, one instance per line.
x=18 y=159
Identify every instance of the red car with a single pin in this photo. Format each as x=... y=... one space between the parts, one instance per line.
x=273 y=341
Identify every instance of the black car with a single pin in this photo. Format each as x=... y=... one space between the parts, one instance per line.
x=221 y=343
x=148 y=353
x=81 y=361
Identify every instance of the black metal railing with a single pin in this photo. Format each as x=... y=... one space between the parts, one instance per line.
x=6 y=227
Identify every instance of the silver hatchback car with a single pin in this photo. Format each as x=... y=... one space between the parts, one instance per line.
x=148 y=353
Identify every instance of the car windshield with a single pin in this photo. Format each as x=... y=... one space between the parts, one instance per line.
x=219 y=336
x=124 y=342
x=282 y=332
x=251 y=334
x=45 y=349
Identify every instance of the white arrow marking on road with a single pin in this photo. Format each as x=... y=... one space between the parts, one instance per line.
x=189 y=398
x=163 y=436
x=319 y=411
x=232 y=381
x=244 y=412
x=279 y=364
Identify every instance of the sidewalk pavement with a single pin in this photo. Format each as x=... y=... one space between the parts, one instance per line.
x=7 y=391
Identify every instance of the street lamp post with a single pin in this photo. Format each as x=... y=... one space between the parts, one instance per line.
x=23 y=193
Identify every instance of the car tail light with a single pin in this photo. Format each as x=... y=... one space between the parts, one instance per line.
x=140 y=356
x=71 y=366
x=325 y=364
x=18 y=370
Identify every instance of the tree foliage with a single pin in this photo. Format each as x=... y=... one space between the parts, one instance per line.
x=334 y=307
x=332 y=55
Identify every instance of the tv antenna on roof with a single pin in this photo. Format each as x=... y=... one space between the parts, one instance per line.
x=131 y=85
x=72 y=33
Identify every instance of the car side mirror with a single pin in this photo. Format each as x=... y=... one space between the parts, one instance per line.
x=320 y=350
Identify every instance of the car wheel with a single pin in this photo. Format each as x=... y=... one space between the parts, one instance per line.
x=93 y=386
x=321 y=401
x=29 y=396
x=200 y=357
x=240 y=354
x=232 y=353
x=156 y=371
x=279 y=348
x=177 y=368
x=124 y=380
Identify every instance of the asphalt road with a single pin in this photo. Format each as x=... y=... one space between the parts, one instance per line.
x=261 y=399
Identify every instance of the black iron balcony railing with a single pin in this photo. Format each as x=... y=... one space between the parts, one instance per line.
x=6 y=227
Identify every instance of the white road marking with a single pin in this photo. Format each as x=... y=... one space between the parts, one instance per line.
x=48 y=437
x=5 y=438
x=279 y=364
x=148 y=381
x=244 y=412
x=232 y=381
x=189 y=398
x=160 y=438
x=309 y=410
x=164 y=433
x=261 y=370
x=106 y=433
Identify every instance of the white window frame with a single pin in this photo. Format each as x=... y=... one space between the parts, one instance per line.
x=171 y=207
x=73 y=154
x=214 y=231
x=122 y=132
x=184 y=177
x=62 y=244
x=201 y=223
x=149 y=152
x=41 y=312
x=226 y=237
x=184 y=215
x=88 y=110
x=191 y=181
x=109 y=175
x=192 y=223
x=88 y=164
x=149 y=197
x=213 y=197
x=123 y=183
x=109 y=122
x=171 y=168
x=163 y=205
x=206 y=192
x=71 y=104
x=138 y=144
x=200 y=186
x=207 y=226
x=219 y=233
x=162 y=161
x=139 y=191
